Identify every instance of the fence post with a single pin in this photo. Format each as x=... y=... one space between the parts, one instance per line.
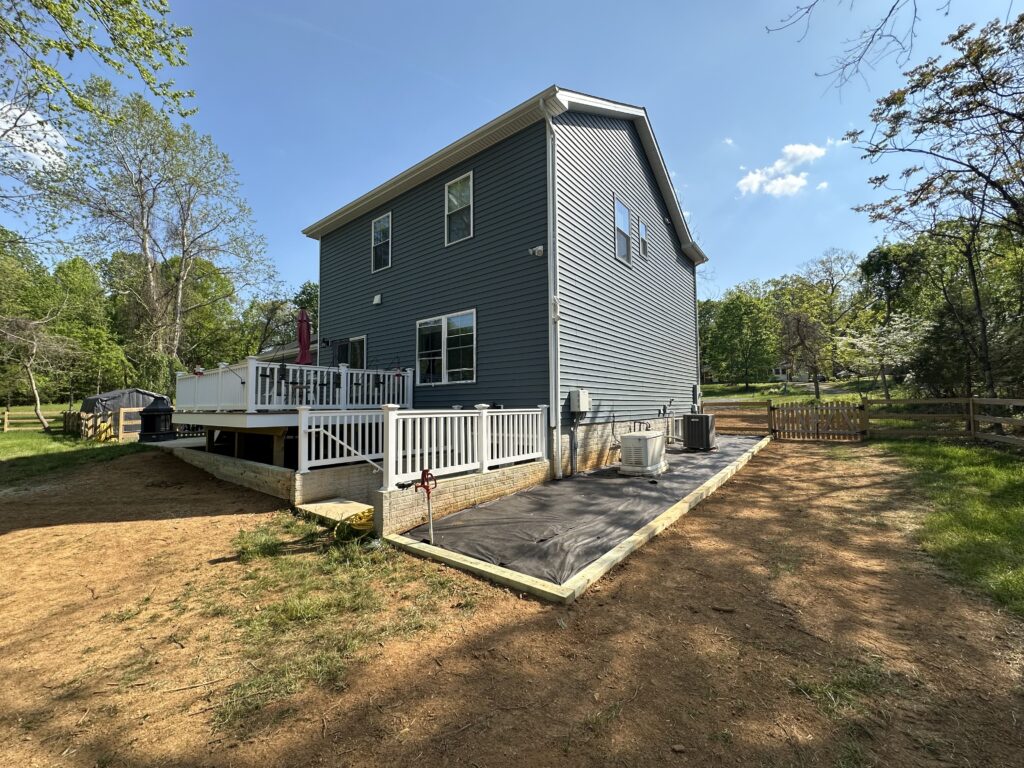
x=390 y=445
x=771 y=419
x=545 y=433
x=120 y=425
x=303 y=464
x=971 y=426
x=7 y=419
x=250 y=383
x=483 y=433
x=865 y=419
x=345 y=382
x=409 y=382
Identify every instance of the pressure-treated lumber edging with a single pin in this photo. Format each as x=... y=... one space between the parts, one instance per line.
x=578 y=584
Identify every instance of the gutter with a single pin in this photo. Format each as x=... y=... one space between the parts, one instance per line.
x=554 y=308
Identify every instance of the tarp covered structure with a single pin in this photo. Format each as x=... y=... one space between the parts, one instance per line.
x=111 y=402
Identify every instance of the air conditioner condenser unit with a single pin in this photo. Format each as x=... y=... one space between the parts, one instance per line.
x=643 y=453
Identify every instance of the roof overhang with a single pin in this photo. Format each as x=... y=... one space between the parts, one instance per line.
x=552 y=101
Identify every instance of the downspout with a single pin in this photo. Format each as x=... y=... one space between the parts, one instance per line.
x=696 y=406
x=554 y=310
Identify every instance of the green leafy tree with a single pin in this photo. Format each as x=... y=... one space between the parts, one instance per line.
x=739 y=340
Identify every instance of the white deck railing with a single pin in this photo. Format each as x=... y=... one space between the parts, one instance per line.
x=447 y=442
x=260 y=386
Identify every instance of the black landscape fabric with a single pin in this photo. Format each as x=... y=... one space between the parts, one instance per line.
x=555 y=530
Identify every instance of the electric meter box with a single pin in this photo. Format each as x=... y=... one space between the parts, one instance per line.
x=579 y=401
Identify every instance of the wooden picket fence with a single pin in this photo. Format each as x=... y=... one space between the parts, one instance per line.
x=817 y=421
x=997 y=420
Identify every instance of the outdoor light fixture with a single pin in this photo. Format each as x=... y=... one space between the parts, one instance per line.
x=377 y=299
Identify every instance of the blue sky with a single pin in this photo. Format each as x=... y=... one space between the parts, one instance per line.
x=317 y=102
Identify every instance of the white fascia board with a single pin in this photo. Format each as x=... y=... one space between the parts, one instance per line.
x=580 y=102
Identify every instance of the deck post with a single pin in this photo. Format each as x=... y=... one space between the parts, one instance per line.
x=545 y=433
x=343 y=395
x=409 y=382
x=483 y=448
x=250 y=384
x=390 y=445
x=303 y=464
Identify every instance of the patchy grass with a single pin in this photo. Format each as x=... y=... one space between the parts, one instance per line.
x=312 y=606
x=851 y=685
x=976 y=525
x=26 y=455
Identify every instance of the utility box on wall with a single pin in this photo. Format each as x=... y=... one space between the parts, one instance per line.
x=579 y=401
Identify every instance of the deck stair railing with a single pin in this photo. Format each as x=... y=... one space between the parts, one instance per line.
x=404 y=442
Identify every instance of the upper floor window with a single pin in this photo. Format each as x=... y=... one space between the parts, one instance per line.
x=623 y=243
x=458 y=209
x=643 y=240
x=446 y=349
x=381 y=242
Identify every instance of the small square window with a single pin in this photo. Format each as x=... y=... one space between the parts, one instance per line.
x=643 y=240
x=623 y=242
x=458 y=209
x=381 y=242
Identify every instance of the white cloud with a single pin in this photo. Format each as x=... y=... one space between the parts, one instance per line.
x=836 y=142
x=822 y=185
x=727 y=141
x=27 y=138
x=780 y=179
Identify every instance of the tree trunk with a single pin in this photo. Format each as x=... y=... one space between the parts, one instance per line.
x=885 y=381
x=35 y=392
x=817 y=384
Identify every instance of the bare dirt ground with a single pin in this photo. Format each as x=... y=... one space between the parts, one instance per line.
x=788 y=621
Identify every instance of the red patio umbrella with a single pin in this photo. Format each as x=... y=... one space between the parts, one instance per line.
x=304 y=357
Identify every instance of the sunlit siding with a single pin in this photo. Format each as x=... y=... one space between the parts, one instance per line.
x=627 y=331
x=491 y=272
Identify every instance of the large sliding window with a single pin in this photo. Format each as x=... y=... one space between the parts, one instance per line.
x=381 y=242
x=446 y=349
x=623 y=242
x=458 y=209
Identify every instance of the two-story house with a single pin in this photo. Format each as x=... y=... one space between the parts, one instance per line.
x=545 y=252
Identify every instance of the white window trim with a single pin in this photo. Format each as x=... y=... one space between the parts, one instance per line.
x=366 y=356
x=444 y=350
x=448 y=242
x=391 y=233
x=643 y=242
x=628 y=261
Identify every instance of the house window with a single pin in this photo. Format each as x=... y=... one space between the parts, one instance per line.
x=381 y=243
x=458 y=209
x=357 y=352
x=643 y=240
x=446 y=349
x=623 y=250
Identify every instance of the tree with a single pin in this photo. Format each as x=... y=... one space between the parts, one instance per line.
x=889 y=346
x=739 y=341
x=40 y=97
x=30 y=305
x=170 y=203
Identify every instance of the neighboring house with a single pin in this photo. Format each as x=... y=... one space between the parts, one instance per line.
x=542 y=253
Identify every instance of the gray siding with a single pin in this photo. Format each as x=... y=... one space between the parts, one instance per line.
x=627 y=331
x=491 y=272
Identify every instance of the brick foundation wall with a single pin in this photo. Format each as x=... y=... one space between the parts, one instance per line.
x=354 y=482
x=398 y=511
